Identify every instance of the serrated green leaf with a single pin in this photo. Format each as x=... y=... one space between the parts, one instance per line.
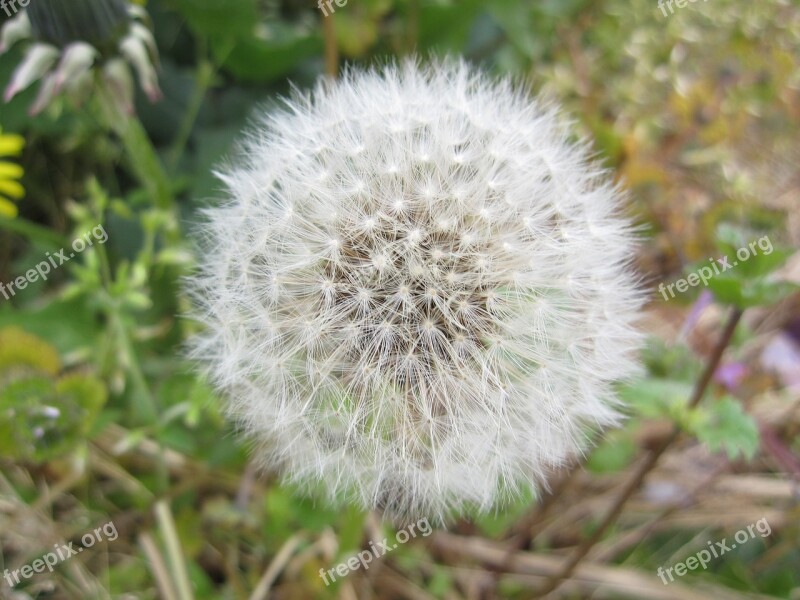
x=727 y=290
x=724 y=426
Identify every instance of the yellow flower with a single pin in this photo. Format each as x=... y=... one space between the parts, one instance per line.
x=10 y=188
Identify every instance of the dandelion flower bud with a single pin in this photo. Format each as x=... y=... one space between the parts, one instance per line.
x=418 y=296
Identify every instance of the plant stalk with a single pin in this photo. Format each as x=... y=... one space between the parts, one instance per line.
x=647 y=465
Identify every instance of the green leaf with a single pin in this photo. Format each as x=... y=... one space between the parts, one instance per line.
x=445 y=26
x=724 y=426
x=495 y=523
x=210 y=17
x=765 y=293
x=745 y=293
x=441 y=583
x=759 y=264
x=727 y=290
x=67 y=325
x=614 y=454
x=658 y=398
x=730 y=238
x=751 y=261
x=516 y=21
x=669 y=360
x=254 y=60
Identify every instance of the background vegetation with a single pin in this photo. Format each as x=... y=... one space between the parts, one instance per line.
x=696 y=112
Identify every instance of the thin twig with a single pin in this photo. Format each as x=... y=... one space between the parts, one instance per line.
x=400 y=587
x=331 y=47
x=637 y=535
x=412 y=38
x=276 y=566
x=172 y=541
x=246 y=487
x=521 y=533
x=590 y=579
x=650 y=461
x=779 y=451
x=158 y=566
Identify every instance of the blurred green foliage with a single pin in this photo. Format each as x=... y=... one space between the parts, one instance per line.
x=44 y=414
x=696 y=112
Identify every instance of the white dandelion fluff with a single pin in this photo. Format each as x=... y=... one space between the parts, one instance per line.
x=419 y=295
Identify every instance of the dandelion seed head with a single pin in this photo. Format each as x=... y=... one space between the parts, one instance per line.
x=438 y=323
